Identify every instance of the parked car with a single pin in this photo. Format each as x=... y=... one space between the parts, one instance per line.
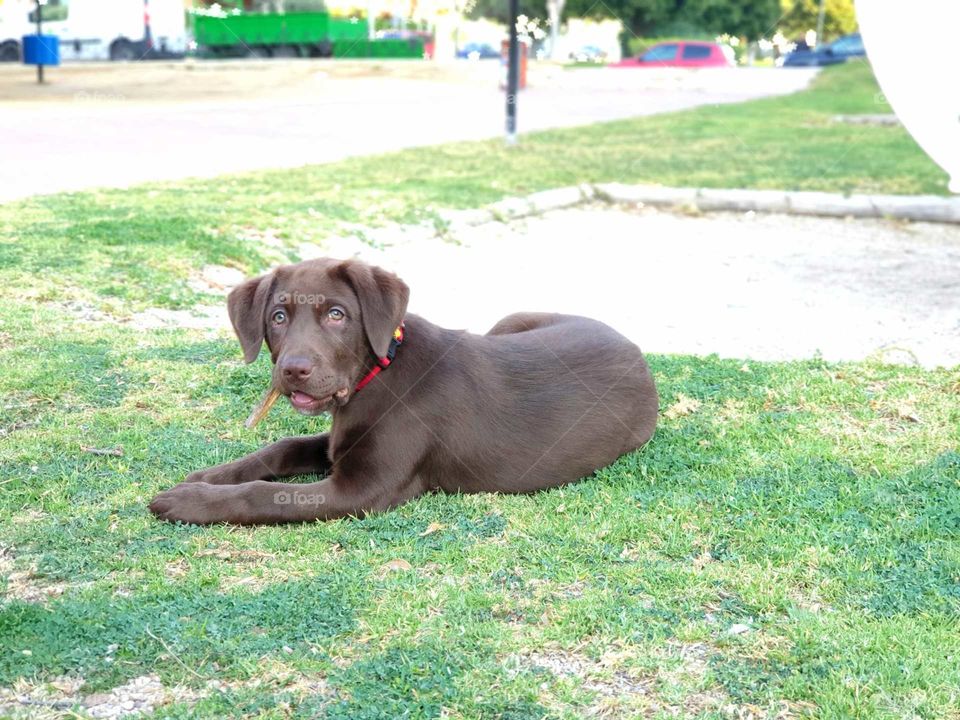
x=588 y=53
x=478 y=51
x=681 y=54
x=832 y=53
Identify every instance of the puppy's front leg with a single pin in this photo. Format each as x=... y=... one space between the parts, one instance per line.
x=266 y=503
x=286 y=458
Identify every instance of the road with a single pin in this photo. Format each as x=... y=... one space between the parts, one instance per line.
x=113 y=126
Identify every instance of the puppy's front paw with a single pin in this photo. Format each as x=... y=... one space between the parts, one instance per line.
x=229 y=474
x=194 y=503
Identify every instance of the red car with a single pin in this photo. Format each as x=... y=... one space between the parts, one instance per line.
x=681 y=54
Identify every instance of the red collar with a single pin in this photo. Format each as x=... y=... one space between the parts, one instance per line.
x=384 y=362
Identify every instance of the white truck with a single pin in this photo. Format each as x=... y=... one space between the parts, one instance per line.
x=98 y=29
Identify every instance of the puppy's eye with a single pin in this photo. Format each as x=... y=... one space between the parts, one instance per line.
x=279 y=317
x=336 y=314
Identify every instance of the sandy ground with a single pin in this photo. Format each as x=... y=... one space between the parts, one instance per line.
x=113 y=125
x=765 y=287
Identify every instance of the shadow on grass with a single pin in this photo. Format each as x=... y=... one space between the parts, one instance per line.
x=143 y=256
x=108 y=639
x=421 y=679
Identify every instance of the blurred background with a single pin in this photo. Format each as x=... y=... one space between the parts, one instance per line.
x=350 y=77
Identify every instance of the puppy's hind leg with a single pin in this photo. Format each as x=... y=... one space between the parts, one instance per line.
x=523 y=321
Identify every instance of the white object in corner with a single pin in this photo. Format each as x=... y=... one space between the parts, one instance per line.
x=912 y=48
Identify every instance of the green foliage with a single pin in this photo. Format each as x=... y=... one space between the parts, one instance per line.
x=799 y=16
x=499 y=10
x=750 y=19
x=742 y=18
x=638 y=16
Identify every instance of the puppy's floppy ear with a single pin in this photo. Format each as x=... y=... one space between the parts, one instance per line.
x=247 y=304
x=383 y=301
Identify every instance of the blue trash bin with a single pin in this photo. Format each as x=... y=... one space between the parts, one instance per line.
x=41 y=50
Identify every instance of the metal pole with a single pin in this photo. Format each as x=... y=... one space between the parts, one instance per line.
x=147 y=30
x=513 y=73
x=39 y=35
x=820 y=18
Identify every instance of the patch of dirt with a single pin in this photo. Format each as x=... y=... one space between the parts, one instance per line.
x=244 y=568
x=140 y=695
x=200 y=317
x=86 y=312
x=100 y=83
x=27 y=516
x=176 y=569
x=620 y=692
x=262 y=576
x=57 y=698
x=216 y=279
x=26 y=585
x=62 y=697
x=233 y=554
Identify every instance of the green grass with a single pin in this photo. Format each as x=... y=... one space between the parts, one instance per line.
x=816 y=504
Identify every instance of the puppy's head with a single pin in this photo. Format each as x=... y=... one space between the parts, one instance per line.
x=325 y=322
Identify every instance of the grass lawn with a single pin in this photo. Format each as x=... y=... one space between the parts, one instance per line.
x=788 y=545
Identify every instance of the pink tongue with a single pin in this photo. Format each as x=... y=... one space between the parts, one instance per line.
x=301 y=398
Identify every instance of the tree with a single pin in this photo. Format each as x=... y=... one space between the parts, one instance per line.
x=799 y=16
x=743 y=18
x=554 y=16
x=638 y=16
x=497 y=9
x=752 y=19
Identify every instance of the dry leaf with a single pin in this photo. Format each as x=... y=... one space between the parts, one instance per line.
x=229 y=553
x=630 y=553
x=683 y=406
x=905 y=412
x=432 y=528
x=114 y=451
x=396 y=565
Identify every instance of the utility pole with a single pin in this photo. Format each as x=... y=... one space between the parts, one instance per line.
x=513 y=73
x=39 y=40
x=820 y=17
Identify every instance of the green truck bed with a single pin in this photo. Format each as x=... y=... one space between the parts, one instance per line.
x=274 y=29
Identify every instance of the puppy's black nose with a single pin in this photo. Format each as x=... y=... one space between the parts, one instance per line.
x=295 y=368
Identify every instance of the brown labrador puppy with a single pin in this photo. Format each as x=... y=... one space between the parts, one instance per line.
x=539 y=401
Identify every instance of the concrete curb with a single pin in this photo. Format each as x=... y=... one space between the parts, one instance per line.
x=920 y=208
x=917 y=208
x=514 y=208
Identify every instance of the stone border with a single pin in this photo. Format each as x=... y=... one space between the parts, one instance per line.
x=918 y=208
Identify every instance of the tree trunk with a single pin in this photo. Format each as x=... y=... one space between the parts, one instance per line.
x=554 y=13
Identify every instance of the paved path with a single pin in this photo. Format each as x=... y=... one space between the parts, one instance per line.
x=114 y=135
x=766 y=287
